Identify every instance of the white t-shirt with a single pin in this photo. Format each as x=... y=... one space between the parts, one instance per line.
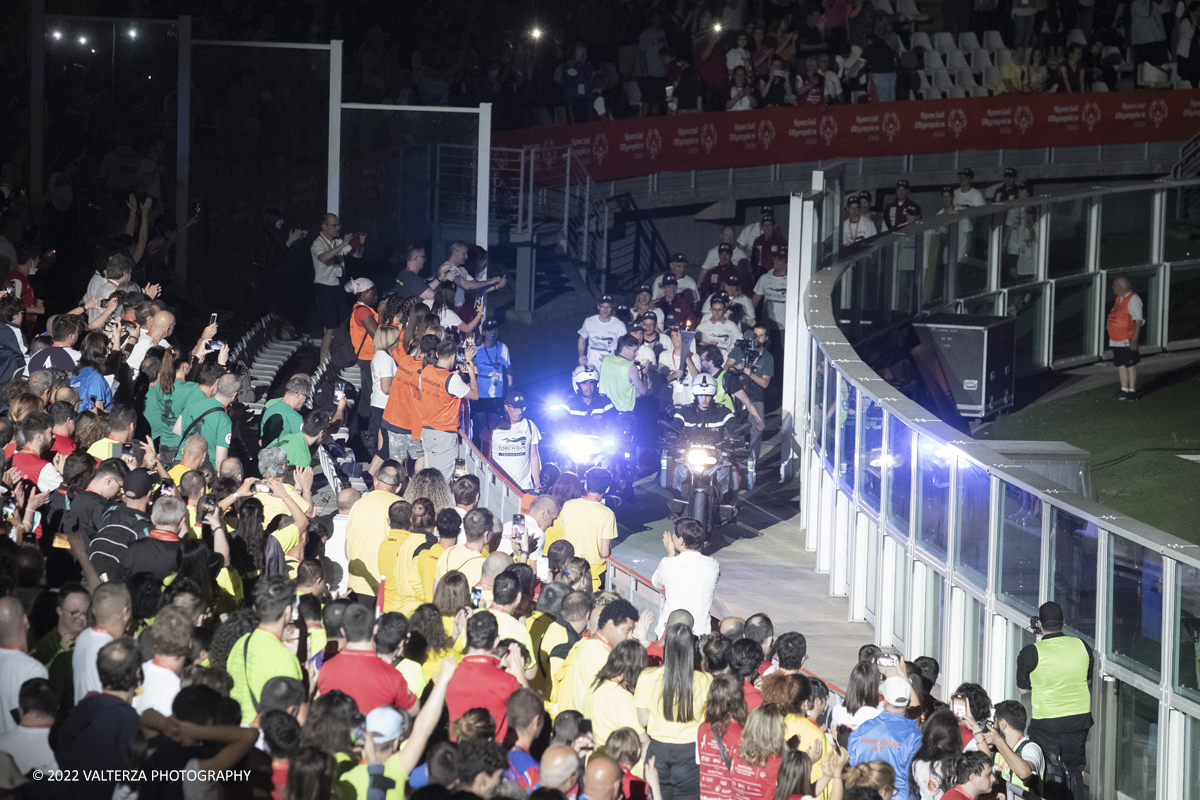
x=929 y=779
x=714 y=257
x=737 y=57
x=773 y=288
x=512 y=451
x=537 y=539
x=687 y=287
x=601 y=338
x=382 y=366
x=841 y=716
x=857 y=231
x=330 y=273
x=740 y=300
x=1135 y=312
x=749 y=233
x=335 y=565
x=449 y=319
x=83 y=661
x=743 y=103
x=159 y=687
x=723 y=334
x=1031 y=751
x=15 y=668
x=29 y=748
x=668 y=362
x=968 y=199
x=687 y=581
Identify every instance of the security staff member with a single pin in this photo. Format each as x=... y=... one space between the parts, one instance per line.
x=729 y=384
x=703 y=422
x=1057 y=672
x=441 y=392
x=589 y=411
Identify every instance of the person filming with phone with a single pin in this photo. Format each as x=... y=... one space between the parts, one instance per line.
x=1056 y=672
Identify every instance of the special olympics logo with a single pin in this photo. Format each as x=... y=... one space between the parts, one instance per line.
x=957 y=122
x=708 y=137
x=891 y=125
x=546 y=154
x=600 y=147
x=828 y=129
x=653 y=143
x=1023 y=117
x=766 y=133
x=1158 y=112
x=1091 y=116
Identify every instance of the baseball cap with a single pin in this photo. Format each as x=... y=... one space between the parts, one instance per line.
x=966 y=172
x=670 y=280
x=1050 y=614
x=514 y=398
x=853 y=200
x=608 y=298
x=724 y=247
x=139 y=482
x=720 y=297
x=902 y=182
x=1010 y=172
x=781 y=252
x=767 y=210
x=491 y=324
x=865 y=195
x=768 y=217
x=678 y=258
x=645 y=287
x=647 y=315
x=946 y=189
x=896 y=691
x=385 y=723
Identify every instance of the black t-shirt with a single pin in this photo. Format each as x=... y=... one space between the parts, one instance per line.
x=1027 y=661
x=52 y=357
x=880 y=56
x=410 y=284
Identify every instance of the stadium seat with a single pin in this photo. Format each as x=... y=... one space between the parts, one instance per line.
x=966 y=79
x=956 y=92
x=920 y=39
x=909 y=10
x=1101 y=86
x=885 y=7
x=1003 y=58
x=943 y=82
x=993 y=41
x=956 y=60
x=980 y=59
x=933 y=61
x=1076 y=36
x=980 y=91
x=944 y=42
x=968 y=42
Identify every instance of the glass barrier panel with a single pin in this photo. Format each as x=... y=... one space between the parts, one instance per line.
x=870 y=461
x=832 y=410
x=847 y=416
x=1137 y=748
x=975 y=618
x=899 y=629
x=899 y=482
x=1191 y=758
x=1019 y=637
x=933 y=495
x=817 y=421
x=872 y=563
x=935 y=612
x=1019 y=246
x=905 y=257
x=1187 y=632
x=1180 y=239
x=1076 y=549
x=988 y=305
x=974 y=496
x=1028 y=305
x=1125 y=222
x=1183 y=316
x=1067 y=254
x=1073 y=313
x=1146 y=285
x=1019 y=576
x=971 y=271
x=934 y=265
x=1135 y=606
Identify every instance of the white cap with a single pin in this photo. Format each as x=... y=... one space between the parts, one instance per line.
x=896 y=691
x=386 y=724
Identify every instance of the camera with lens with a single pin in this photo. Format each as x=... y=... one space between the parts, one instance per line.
x=752 y=349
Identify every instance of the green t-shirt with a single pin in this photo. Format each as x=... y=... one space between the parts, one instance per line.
x=216 y=428
x=162 y=410
x=353 y=785
x=296 y=447
x=278 y=420
x=615 y=383
x=251 y=667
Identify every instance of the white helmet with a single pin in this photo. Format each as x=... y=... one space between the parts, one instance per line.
x=703 y=385
x=582 y=374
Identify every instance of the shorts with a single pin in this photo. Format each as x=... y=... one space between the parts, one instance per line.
x=330 y=303
x=399 y=445
x=441 y=450
x=1124 y=357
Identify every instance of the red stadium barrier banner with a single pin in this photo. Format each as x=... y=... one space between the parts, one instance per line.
x=633 y=147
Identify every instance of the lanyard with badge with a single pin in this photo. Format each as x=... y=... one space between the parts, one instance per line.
x=494 y=375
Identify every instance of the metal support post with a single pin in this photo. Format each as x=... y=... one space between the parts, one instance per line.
x=333 y=183
x=566 y=230
x=37 y=96
x=521 y=196
x=532 y=189
x=587 y=207
x=483 y=171
x=183 y=149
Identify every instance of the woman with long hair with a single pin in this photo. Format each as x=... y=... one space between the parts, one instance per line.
x=166 y=395
x=1071 y=72
x=330 y=724
x=310 y=774
x=610 y=705
x=717 y=737
x=741 y=92
x=793 y=693
x=383 y=370
x=931 y=771
x=94 y=391
x=671 y=700
x=194 y=561
x=429 y=641
x=794 y=779
x=254 y=551
x=861 y=703
x=877 y=776
x=567 y=487
x=759 y=753
x=415 y=327
x=1039 y=73
x=443 y=308
x=430 y=484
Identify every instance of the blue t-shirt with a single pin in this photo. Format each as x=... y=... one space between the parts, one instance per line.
x=888 y=737
x=92 y=389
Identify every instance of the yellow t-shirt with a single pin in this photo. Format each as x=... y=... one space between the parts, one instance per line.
x=610 y=708
x=550 y=665
x=178 y=471
x=421 y=580
x=808 y=732
x=251 y=667
x=366 y=529
x=585 y=524
x=579 y=672
x=433 y=658
x=105 y=448
x=649 y=695
x=460 y=557
x=354 y=783
x=414 y=675
x=388 y=560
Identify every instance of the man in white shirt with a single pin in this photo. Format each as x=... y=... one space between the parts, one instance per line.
x=542 y=513
x=773 y=286
x=1021 y=759
x=687 y=286
x=514 y=441
x=717 y=329
x=745 y=239
x=599 y=333
x=172 y=630
x=733 y=289
x=29 y=742
x=112 y=609
x=16 y=665
x=118 y=269
x=329 y=263
x=1124 y=328
x=162 y=325
x=856 y=227
x=966 y=196
x=686 y=577
x=714 y=255
x=335 y=564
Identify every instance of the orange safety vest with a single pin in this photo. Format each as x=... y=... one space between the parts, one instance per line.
x=438 y=408
x=1120 y=324
x=358 y=333
x=402 y=396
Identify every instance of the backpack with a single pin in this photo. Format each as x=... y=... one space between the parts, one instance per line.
x=342 y=352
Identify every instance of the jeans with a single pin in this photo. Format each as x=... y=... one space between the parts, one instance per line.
x=678 y=772
x=364 y=394
x=1023 y=29
x=885 y=86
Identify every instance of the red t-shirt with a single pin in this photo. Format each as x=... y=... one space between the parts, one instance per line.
x=754 y=783
x=654 y=654
x=714 y=776
x=753 y=696
x=480 y=683
x=63 y=444
x=279 y=770
x=956 y=794
x=27 y=296
x=366 y=677
x=632 y=787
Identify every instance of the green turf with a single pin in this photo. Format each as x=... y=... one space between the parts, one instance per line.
x=1134 y=446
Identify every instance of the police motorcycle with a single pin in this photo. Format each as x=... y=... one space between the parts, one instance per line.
x=706 y=459
x=586 y=432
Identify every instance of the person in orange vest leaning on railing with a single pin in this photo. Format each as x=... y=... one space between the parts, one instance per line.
x=440 y=392
x=1124 y=327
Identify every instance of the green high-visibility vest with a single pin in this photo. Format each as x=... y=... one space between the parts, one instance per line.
x=1059 y=683
x=723 y=397
x=1031 y=784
